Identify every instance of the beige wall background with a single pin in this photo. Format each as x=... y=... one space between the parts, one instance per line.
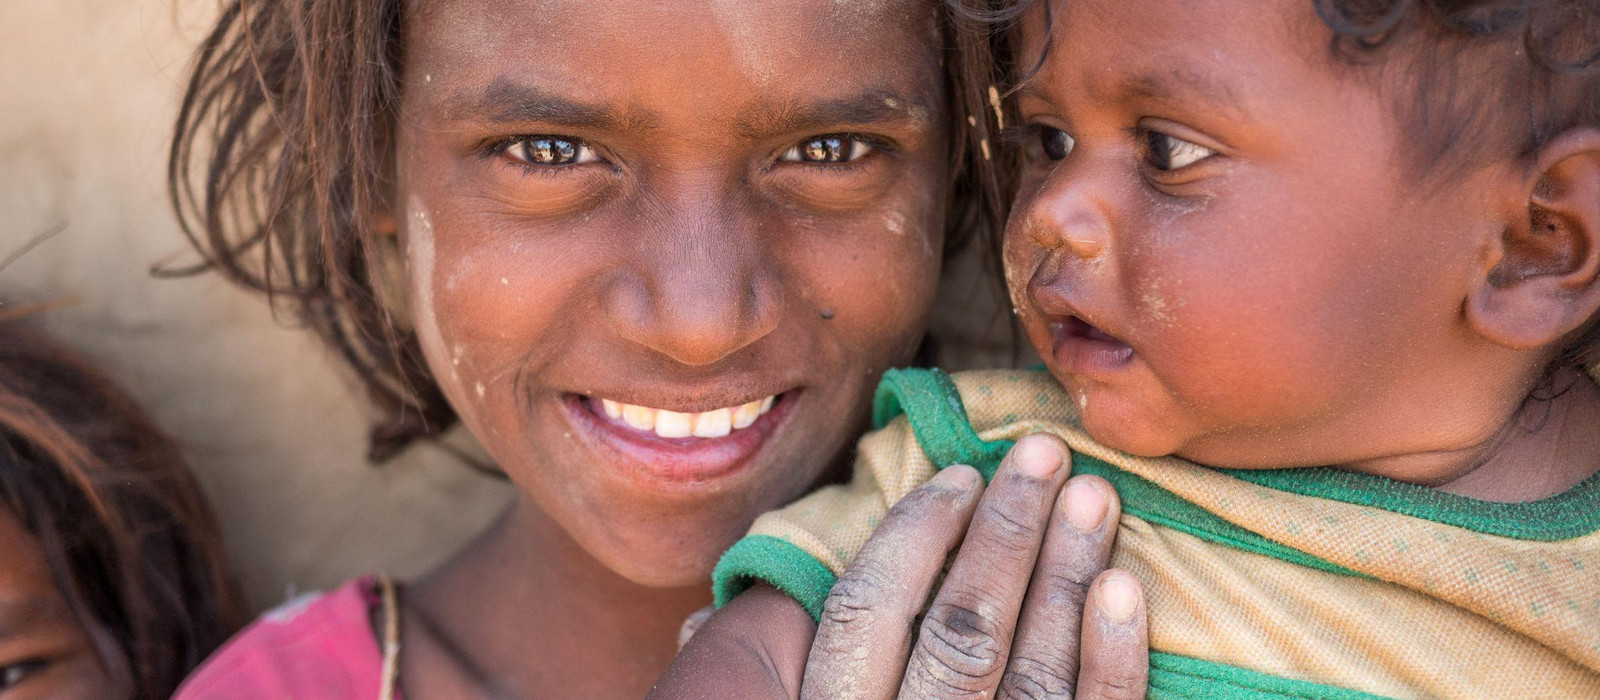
x=88 y=92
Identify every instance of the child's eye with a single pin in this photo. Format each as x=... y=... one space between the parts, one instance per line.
x=827 y=149
x=12 y=674
x=1164 y=152
x=550 y=151
x=1055 y=143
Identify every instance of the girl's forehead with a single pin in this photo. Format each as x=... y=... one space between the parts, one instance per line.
x=759 y=38
x=672 y=62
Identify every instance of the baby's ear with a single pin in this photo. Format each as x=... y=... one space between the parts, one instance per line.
x=1541 y=279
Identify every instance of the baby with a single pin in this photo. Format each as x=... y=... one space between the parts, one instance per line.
x=1316 y=284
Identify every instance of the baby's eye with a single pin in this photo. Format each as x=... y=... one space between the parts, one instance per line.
x=551 y=151
x=827 y=149
x=1164 y=152
x=12 y=674
x=1055 y=143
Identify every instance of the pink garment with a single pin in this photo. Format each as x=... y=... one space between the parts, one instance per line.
x=317 y=646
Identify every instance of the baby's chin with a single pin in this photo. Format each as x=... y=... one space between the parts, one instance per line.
x=1128 y=427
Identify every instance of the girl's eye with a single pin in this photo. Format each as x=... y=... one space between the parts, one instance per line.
x=12 y=674
x=1167 y=153
x=827 y=149
x=1055 y=142
x=551 y=151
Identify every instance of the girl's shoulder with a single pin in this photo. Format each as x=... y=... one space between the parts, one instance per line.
x=318 y=645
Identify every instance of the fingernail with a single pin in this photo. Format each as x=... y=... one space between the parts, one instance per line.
x=1119 y=598
x=1036 y=457
x=1086 y=505
x=957 y=476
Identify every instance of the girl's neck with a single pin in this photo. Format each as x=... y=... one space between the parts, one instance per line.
x=524 y=611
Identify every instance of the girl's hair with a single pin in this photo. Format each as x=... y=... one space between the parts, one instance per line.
x=127 y=536
x=289 y=119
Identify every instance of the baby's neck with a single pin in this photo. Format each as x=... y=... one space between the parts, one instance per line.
x=1549 y=445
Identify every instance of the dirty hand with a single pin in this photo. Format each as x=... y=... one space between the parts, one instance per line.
x=1027 y=610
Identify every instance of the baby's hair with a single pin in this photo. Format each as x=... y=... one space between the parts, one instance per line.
x=1477 y=80
x=1483 y=79
x=289 y=119
x=126 y=533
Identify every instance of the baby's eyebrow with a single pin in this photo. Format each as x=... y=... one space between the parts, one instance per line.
x=1180 y=83
x=509 y=102
x=17 y=616
x=874 y=106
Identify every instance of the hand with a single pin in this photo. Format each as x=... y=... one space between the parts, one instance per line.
x=1027 y=610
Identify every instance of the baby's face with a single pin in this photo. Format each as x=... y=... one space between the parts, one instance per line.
x=1221 y=246
x=659 y=252
x=44 y=653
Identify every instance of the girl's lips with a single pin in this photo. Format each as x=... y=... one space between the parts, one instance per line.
x=1082 y=349
x=654 y=460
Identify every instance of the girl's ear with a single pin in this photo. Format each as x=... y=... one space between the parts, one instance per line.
x=1541 y=279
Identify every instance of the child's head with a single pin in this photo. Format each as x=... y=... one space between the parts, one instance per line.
x=1293 y=232
x=111 y=576
x=732 y=209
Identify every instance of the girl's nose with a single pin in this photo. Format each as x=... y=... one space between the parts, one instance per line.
x=699 y=287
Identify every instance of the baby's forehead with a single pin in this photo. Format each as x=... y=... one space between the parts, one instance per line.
x=1226 y=53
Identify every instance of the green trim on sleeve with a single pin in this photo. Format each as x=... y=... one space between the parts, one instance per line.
x=1174 y=677
x=1567 y=515
x=930 y=401
x=766 y=559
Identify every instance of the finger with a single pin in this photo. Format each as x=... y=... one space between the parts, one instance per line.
x=1116 y=640
x=1077 y=547
x=864 y=635
x=962 y=646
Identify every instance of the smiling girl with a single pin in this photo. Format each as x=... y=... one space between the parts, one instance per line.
x=653 y=255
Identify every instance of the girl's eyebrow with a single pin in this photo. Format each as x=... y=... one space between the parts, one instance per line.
x=509 y=102
x=873 y=106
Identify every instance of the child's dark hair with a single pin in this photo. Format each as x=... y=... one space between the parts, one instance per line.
x=289 y=118
x=1479 y=79
x=127 y=536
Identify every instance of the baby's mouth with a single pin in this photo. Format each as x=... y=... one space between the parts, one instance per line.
x=1073 y=326
x=661 y=422
x=1082 y=349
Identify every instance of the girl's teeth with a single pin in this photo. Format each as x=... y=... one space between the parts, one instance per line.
x=671 y=424
x=713 y=424
x=639 y=417
x=745 y=414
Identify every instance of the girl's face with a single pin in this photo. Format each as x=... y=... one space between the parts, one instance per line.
x=44 y=653
x=659 y=252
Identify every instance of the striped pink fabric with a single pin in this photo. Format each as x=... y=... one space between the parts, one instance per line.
x=317 y=646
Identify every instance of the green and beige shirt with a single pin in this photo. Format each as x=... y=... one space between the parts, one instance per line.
x=1295 y=583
